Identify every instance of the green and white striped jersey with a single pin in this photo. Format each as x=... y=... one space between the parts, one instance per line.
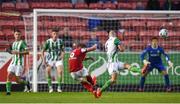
x=111 y=47
x=19 y=46
x=54 y=49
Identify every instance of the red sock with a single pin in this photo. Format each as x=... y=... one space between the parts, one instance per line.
x=90 y=80
x=87 y=86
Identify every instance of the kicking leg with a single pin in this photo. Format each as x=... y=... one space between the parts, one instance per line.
x=91 y=80
x=107 y=84
x=132 y=68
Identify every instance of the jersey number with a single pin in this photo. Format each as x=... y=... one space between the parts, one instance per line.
x=72 y=55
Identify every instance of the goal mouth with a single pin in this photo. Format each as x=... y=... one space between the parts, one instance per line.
x=133 y=28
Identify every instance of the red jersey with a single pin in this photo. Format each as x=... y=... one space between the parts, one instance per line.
x=76 y=59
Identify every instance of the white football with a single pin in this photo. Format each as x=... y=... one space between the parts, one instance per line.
x=163 y=33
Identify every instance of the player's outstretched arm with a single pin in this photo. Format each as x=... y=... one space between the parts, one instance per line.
x=94 y=47
x=167 y=57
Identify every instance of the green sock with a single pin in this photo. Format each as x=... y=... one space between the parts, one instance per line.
x=49 y=82
x=106 y=85
x=59 y=80
x=8 y=86
x=135 y=69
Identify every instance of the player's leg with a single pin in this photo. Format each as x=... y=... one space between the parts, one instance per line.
x=113 y=70
x=91 y=79
x=162 y=69
x=48 y=74
x=142 y=81
x=88 y=86
x=78 y=76
x=167 y=80
x=107 y=84
x=8 y=83
x=86 y=80
x=132 y=68
x=60 y=69
x=19 y=79
x=143 y=78
x=10 y=73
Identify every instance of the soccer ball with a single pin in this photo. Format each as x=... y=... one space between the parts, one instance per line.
x=163 y=33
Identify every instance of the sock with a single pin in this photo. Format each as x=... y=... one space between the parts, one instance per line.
x=8 y=86
x=87 y=86
x=106 y=85
x=90 y=80
x=142 y=81
x=166 y=78
x=59 y=80
x=49 y=82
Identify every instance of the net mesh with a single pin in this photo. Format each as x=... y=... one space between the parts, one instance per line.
x=135 y=32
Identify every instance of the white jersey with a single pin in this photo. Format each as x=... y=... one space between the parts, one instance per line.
x=54 y=49
x=111 y=47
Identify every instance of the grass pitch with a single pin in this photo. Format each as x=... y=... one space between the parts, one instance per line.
x=86 y=97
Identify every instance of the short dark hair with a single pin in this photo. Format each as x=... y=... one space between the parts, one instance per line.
x=17 y=30
x=55 y=29
x=155 y=37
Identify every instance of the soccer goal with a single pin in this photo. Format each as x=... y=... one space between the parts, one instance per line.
x=133 y=28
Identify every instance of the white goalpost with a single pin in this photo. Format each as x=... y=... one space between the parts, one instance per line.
x=134 y=29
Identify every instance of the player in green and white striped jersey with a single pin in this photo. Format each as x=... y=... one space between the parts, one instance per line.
x=54 y=47
x=16 y=67
x=114 y=66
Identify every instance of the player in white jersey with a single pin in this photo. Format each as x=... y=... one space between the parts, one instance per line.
x=112 y=45
x=16 y=67
x=54 y=47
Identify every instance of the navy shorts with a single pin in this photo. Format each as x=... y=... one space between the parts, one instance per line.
x=160 y=67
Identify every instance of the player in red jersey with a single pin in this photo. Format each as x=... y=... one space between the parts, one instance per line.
x=78 y=71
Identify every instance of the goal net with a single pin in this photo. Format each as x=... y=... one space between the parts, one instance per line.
x=133 y=28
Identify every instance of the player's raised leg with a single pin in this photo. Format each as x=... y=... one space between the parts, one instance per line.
x=132 y=68
x=107 y=84
x=87 y=85
x=91 y=79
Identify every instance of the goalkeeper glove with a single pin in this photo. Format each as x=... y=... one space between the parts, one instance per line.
x=170 y=63
x=146 y=62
